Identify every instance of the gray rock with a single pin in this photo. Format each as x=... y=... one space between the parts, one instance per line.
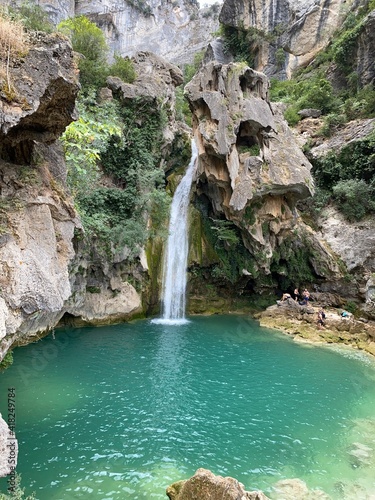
x=309 y=113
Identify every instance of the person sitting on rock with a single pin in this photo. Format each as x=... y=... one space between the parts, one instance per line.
x=305 y=296
x=285 y=296
x=346 y=315
x=321 y=318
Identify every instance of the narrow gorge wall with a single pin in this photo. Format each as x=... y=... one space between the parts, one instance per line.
x=300 y=29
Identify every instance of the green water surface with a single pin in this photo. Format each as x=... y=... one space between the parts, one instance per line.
x=121 y=412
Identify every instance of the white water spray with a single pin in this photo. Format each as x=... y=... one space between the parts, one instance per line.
x=176 y=255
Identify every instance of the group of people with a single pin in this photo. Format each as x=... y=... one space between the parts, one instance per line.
x=302 y=299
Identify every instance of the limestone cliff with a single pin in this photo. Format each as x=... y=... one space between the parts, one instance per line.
x=37 y=223
x=291 y=32
x=41 y=276
x=251 y=169
x=173 y=30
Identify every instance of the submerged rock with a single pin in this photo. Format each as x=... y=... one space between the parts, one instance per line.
x=296 y=489
x=204 y=485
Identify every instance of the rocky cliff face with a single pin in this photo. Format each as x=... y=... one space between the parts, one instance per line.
x=299 y=29
x=251 y=169
x=42 y=276
x=172 y=30
x=37 y=223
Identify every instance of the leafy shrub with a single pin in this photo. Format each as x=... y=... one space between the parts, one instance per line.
x=88 y=40
x=354 y=161
x=344 y=47
x=307 y=91
x=123 y=68
x=18 y=492
x=354 y=198
x=331 y=122
x=32 y=16
x=362 y=104
x=7 y=361
x=86 y=138
x=124 y=143
x=291 y=262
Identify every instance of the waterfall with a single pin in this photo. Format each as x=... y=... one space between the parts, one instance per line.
x=176 y=254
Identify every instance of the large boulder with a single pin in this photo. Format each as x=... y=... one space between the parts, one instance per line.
x=156 y=81
x=204 y=485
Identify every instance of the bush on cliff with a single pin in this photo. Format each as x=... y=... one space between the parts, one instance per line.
x=32 y=16
x=89 y=41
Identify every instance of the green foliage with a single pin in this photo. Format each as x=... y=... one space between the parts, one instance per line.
x=225 y=231
x=345 y=45
x=6 y=362
x=123 y=68
x=88 y=40
x=242 y=43
x=125 y=144
x=86 y=138
x=280 y=57
x=254 y=150
x=183 y=112
x=351 y=307
x=291 y=115
x=361 y=104
x=355 y=198
x=141 y=6
x=348 y=177
x=225 y=238
x=331 y=122
x=354 y=161
x=306 y=91
x=238 y=41
x=291 y=262
x=191 y=69
x=32 y=16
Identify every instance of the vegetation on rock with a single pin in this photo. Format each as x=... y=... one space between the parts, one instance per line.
x=89 y=41
x=347 y=178
x=13 y=45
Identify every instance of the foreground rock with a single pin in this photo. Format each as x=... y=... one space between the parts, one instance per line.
x=204 y=485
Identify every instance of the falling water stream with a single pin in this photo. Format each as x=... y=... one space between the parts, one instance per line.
x=175 y=259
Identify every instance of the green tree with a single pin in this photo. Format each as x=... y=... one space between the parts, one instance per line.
x=89 y=41
x=86 y=138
